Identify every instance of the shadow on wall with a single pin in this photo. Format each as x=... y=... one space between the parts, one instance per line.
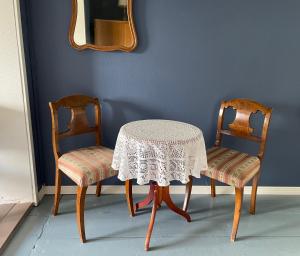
x=282 y=146
x=117 y=113
x=140 y=25
x=285 y=117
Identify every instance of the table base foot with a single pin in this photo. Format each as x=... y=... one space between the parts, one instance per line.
x=167 y=199
x=148 y=200
x=152 y=218
x=161 y=194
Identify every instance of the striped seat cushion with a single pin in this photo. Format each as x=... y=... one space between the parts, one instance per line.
x=230 y=166
x=86 y=166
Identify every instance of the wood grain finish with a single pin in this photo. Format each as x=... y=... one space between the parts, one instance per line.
x=57 y=191
x=163 y=196
x=128 y=47
x=212 y=188
x=80 y=201
x=239 y=192
x=253 y=194
x=152 y=218
x=78 y=124
x=98 y=188
x=158 y=195
x=4 y=210
x=167 y=199
x=112 y=32
x=128 y=192
x=147 y=200
x=241 y=128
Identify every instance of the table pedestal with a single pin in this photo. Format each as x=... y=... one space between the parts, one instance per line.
x=158 y=195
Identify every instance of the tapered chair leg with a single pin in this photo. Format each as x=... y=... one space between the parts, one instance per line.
x=188 y=191
x=128 y=191
x=98 y=189
x=80 y=200
x=152 y=219
x=57 y=191
x=237 y=212
x=253 y=194
x=212 y=188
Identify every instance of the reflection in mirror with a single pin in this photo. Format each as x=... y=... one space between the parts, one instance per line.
x=105 y=25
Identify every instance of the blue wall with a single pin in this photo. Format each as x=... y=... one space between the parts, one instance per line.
x=191 y=54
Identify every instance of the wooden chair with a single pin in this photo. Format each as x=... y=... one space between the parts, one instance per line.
x=84 y=166
x=233 y=167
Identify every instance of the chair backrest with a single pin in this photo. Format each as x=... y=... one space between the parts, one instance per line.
x=78 y=123
x=240 y=127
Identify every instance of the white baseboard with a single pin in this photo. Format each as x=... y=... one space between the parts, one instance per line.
x=42 y=192
x=120 y=189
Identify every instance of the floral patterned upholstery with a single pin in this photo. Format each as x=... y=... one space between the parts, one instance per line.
x=230 y=166
x=86 y=166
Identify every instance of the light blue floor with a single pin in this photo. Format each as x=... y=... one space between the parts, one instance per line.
x=274 y=230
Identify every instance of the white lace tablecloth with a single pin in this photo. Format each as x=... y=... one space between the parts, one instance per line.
x=159 y=150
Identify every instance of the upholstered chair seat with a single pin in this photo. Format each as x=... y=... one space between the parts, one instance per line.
x=235 y=167
x=230 y=166
x=86 y=166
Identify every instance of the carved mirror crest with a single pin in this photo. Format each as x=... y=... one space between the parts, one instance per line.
x=104 y=25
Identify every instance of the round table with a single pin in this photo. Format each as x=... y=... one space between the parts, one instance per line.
x=158 y=151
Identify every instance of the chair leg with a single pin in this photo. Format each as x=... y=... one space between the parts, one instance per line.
x=128 y=190
x=188 y=191
x=57 y=191
x=80 y=200
x=253 y=194
x=98 y=189
x=237 y=212
x=212 y=188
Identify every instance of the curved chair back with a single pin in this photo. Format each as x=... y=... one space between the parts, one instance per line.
x=240 y=127
x=78 y=123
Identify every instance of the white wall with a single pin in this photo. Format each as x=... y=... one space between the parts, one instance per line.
x=17 y=178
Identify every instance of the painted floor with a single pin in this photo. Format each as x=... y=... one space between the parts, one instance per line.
x=274 y=230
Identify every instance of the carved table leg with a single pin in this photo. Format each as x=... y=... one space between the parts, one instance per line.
x=153 y=214
x=167 y=199
x=148 y=199
x=188 y=190
x=161 y=194
x=128 y=188
x=160 y=197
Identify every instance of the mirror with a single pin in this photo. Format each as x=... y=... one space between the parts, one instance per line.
x=104 y=25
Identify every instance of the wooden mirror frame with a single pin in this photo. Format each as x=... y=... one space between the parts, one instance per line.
x=102 y=48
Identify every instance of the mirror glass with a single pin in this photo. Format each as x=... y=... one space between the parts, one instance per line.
x=103 y=25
